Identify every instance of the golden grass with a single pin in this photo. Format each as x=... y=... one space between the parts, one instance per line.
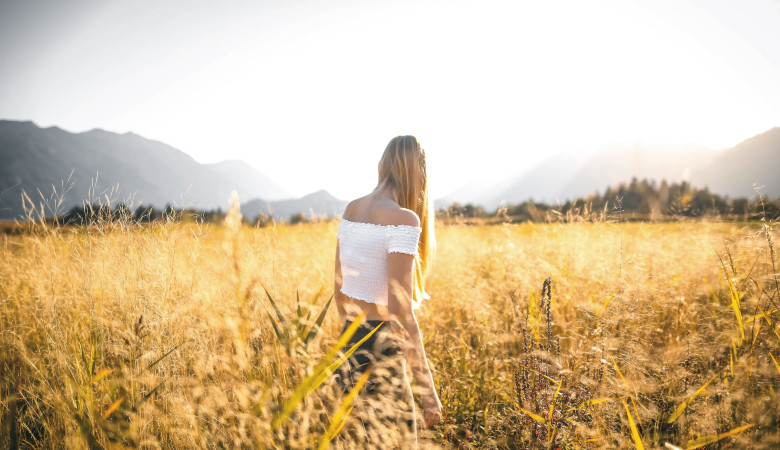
x=160 y=336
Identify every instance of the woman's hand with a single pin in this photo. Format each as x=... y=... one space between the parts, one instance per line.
x=432 y=409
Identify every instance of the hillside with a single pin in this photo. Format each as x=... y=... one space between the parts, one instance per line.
x=567 y=176
x=320 y=203
x=93 y=164
x=753 y=162
x=731 y=172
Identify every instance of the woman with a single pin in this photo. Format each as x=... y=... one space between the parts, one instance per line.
x=385 y=246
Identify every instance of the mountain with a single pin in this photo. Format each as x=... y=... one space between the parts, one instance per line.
x=542 y=183
x=754 y=161
x=320 y=203
x=125 y=167
x=618 y=163
x=732 y=172
x=565 y=176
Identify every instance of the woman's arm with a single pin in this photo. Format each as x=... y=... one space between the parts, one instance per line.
x=404 y=324
x=340 y=300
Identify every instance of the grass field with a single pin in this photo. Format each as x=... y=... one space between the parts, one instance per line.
x=163 y=336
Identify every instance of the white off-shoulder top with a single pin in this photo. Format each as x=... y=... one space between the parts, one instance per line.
x=363 y=251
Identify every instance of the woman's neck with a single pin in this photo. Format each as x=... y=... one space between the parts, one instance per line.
x=384 y=190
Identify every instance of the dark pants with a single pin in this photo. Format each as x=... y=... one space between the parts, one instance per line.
x=385 y=405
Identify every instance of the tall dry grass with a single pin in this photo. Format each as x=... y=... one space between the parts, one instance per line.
x=162 y=336
x=644 y=316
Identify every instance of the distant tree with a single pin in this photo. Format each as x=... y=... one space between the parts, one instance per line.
x=169 y=212
x=298 y=218
x=528 y=211
x=456 y=210
x=740 y=206
x=263 y=220
x=122 y=212
x=75 y=216
x=144 y=214
x=213 y=216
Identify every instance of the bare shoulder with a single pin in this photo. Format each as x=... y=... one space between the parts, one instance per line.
x=349 y=209
x=403 y=216
x=353 y=208
x=380 y=211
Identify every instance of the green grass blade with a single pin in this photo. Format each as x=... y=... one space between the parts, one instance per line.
x=314 y=303
x=300 y=325
x=551 y=432
x=777 y=366
x=148 y=395
x=298 y=304
x=282 y=320
x=687 y=401
x=91 y=368
x=634 y=431
x=343 y=412
x=332 y=368
x=279 y=335
x=114 y=406
x=154 y=363
x=83 y=356
x=536 y=417
x=709 y=439
x=318 y=323
x=736 y=305
x=321 y=372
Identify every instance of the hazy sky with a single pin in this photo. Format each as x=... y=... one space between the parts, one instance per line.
x=310 y=92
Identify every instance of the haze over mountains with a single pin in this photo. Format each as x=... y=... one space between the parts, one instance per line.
x=733 y=172
x=93 y=162
x=320 y=203
x=35 y=159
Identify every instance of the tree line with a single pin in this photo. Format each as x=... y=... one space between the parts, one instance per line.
x=90 y=214
x=638 y=199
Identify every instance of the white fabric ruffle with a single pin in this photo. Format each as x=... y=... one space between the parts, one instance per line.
x=363 y=251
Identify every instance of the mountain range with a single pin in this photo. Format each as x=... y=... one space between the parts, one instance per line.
x=734 y=172
x=99 y=164
x=123 y=167
x=320 y=203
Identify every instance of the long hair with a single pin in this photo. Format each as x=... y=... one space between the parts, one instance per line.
x=402 y=167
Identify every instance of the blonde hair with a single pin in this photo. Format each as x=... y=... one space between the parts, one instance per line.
x=403 y=168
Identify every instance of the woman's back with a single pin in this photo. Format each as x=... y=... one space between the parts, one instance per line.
x=372 y=229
